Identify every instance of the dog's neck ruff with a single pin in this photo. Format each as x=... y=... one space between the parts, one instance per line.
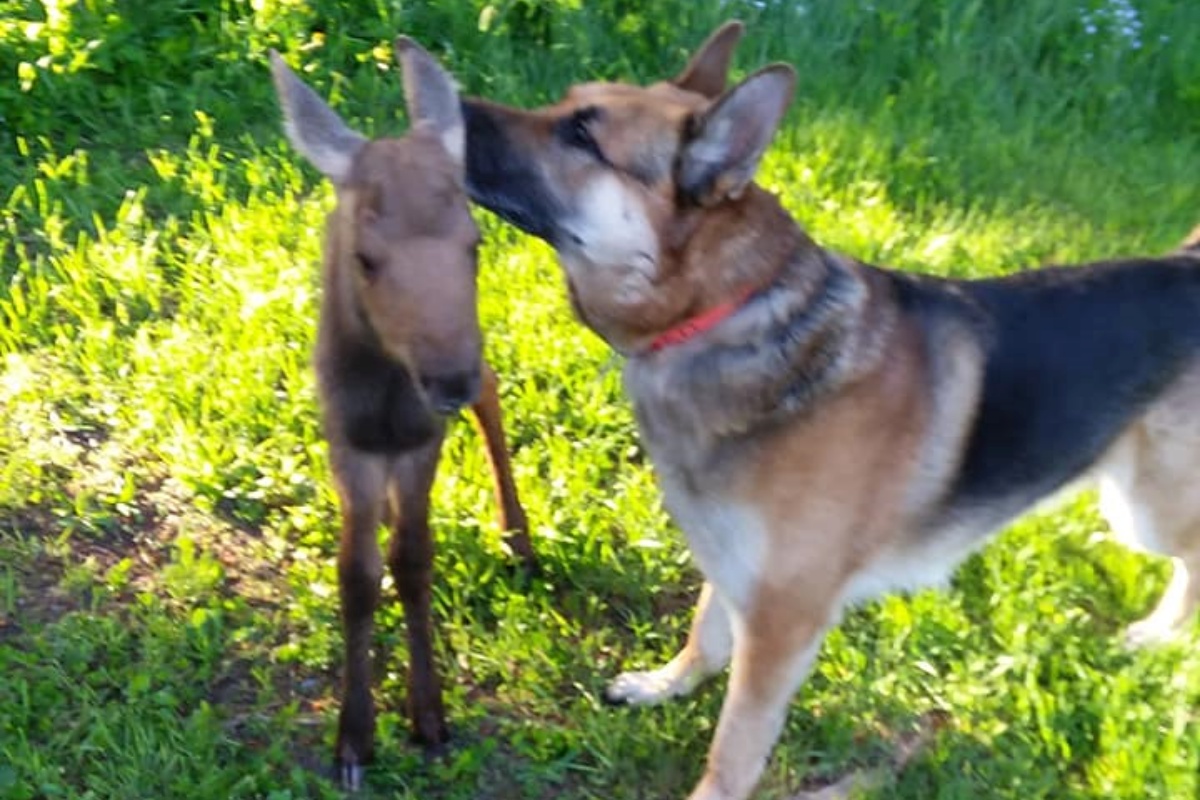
x=798 y=338
x=702 y=322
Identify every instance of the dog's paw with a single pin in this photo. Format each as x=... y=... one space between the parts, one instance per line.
x=642 y=688
x=1150 y=632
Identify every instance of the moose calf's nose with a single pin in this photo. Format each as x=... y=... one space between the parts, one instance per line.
x=448 y=393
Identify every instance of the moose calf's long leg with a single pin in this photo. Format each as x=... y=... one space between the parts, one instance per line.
x=410 y=557
x=707 y=651
x=489 y=423
x=361 y=481
x=1140 y=498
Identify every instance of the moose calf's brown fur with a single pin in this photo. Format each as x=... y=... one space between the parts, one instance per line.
x=398 y=349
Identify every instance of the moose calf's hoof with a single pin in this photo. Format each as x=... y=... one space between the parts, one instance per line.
x=350 y=776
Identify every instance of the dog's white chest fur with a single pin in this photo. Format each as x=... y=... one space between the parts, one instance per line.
x=612 y=232
x=728 y=539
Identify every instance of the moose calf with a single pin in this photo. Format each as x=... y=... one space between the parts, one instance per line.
x=398 y=350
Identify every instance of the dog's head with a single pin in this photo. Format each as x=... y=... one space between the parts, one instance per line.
x=643 y=191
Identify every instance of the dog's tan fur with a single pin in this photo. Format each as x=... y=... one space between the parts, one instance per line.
x=815 y=447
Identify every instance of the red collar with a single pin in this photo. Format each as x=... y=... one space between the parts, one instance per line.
x=694 y=326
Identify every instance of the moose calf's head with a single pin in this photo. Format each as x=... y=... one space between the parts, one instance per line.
x=399 y=339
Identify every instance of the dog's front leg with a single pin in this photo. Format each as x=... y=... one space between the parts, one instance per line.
x=708 y=648
x=771 y=657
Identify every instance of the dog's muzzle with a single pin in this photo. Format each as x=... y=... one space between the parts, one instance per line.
x=503 y=178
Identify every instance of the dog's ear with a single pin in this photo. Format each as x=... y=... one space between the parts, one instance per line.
x=725 y=142
x=705 y=73
x=312 y=127
x=431 y=97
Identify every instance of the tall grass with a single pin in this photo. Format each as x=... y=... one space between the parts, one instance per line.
x=166 y=524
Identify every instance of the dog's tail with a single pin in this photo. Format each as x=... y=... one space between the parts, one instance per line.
x=1192 y=242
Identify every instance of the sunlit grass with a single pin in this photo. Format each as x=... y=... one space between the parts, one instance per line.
x=168 y=618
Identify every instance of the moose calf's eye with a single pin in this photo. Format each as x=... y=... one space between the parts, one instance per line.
x=367 y=264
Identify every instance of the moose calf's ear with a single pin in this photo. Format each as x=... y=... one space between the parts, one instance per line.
x=312 y=127
x=727 y=141
x=431 y=96
x=705 y=74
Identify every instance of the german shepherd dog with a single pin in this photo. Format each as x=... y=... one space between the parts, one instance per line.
x=824 y=430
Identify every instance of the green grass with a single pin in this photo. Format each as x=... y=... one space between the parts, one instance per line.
x=168 y=620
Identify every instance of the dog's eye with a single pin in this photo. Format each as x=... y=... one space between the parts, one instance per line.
x=580 y=136
x=576 y=132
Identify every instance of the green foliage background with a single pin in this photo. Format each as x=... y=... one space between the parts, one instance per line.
x=166 y=524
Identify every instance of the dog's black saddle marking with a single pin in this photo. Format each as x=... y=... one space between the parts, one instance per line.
x=1072 y=355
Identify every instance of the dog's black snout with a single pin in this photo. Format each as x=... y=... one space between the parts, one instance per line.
x=448 y=393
